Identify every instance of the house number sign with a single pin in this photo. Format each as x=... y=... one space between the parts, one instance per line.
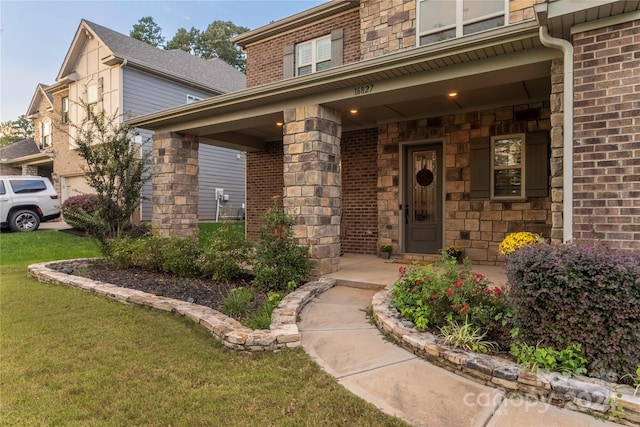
x=363 y=90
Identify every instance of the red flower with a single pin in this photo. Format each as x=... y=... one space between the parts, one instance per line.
x=434 y=296
x=402 y=270
x=449 y=292
x=498 y=291
x=458 y=284
x=464 y=308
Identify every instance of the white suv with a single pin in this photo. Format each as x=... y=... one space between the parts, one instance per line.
x=26 y=201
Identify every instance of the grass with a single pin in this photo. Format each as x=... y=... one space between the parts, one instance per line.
x=71 y=358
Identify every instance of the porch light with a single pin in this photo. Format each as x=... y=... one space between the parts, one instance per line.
x=279 y=124
x=452 y=94
x=353 y=111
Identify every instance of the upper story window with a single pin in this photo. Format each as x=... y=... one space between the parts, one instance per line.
x=312 y=56
x=65 y=110
x=45 y=134
x=446 y=19
x=191 y=99
x=507 y=166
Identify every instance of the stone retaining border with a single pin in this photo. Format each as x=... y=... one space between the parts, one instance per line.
x=283 y=332
x=611 y=401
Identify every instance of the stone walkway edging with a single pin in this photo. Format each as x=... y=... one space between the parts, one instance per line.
x=283 y=332
x=593 y=396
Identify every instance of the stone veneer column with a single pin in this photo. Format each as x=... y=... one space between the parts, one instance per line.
x=175 y=184
x=557 y=150
x=312 y=182
x=29 y=170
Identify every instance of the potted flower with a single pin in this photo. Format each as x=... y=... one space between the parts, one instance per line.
x=517 y=240
x=454 y=251
x=385 y=250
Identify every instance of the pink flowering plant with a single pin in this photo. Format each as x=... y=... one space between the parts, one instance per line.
x=435 y=295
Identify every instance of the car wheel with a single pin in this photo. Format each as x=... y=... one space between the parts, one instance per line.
x=24 y=220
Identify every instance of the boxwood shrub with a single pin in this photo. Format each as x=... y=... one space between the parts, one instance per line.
x=564 y=294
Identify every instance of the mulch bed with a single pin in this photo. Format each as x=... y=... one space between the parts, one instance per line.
x=198 y=291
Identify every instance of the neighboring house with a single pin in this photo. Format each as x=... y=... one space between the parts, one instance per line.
x=112 y=72
x=24 y=158
x=425 y=123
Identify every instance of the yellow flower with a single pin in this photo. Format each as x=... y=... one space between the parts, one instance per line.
x=517 y=240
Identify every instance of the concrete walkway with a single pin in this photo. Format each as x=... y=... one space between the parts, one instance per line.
x=336 y=333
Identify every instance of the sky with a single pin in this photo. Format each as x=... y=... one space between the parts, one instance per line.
x=36 y=35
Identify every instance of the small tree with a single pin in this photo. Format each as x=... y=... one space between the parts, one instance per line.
x=148 y=31
x=115 y=169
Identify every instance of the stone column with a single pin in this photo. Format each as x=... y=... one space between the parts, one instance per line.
x=175 y=184
x=557 y=148
x=29 y=170
x=312 y=182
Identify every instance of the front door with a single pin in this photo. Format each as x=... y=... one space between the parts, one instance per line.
x=423 y=198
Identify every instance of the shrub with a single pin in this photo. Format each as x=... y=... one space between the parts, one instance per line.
x=239 y=303
x=88 y=203
x=564 y=294
x=180 y=256
x=227 y=251
x=518 y=240
x=428 y=295
x=142 y=252
x=278 y=258
x=261 y=319
x=567 y=361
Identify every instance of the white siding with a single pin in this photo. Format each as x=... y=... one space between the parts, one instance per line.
x=218 y=167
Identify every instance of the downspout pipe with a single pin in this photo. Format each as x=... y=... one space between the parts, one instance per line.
x=567 y=131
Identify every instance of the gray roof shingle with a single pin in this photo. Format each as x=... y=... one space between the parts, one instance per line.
x=214 y=73
x=18 y=149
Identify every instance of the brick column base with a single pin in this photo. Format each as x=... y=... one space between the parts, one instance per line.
x=312 y=182
x=175 y=185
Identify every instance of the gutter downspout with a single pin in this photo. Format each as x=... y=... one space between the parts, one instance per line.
x=567 y=131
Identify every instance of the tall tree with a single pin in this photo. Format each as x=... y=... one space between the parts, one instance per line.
x=215 y=42
x=184 y=40
x=15 y=130
x=148 y=31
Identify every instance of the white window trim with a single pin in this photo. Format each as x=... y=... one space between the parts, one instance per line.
x=45 y=137
x=521 y=167
x=65 y=110
x=192 y=98
x=459 y=24
x=314 y=60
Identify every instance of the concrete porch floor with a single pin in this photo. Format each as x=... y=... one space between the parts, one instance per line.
x=369 y=271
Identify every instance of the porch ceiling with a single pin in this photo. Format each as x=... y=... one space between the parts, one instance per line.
x=505 y=67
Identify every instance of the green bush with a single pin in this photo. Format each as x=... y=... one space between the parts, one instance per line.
x=430 y=295
x=261 y=318
x=567 y=361
x=565 y=294
x=144 y=252
x=181 y=256
x=227 y=252
x=239 y=303
x=278 y=258
x=75 y=206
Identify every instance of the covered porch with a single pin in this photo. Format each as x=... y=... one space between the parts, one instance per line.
x=336 y=149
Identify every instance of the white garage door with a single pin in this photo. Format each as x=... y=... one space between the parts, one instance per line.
x=74 y=186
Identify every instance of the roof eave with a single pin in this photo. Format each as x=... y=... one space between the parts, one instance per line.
x=289 y=87
x=300 y=19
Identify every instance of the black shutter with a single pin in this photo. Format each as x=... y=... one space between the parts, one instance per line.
x=288 y=65
x=537 y=164
x=480 y=162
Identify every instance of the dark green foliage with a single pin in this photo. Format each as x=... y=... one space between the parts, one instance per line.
x=114 y=169
x=148 y=31
x=226 y=253
x=78 y=211
x=565 y=294
x=278 y=258
x=429 y=296
x=180 y=256
x=239 y=303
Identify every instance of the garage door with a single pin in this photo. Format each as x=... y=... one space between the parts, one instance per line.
x=74 y=186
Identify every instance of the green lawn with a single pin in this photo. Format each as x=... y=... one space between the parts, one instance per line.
x=68 y=357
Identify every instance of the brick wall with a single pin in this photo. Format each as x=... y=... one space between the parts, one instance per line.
x=265 y=183
x=265 y=59
x=607 y=135
x=477 y=225
x=359 y=232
